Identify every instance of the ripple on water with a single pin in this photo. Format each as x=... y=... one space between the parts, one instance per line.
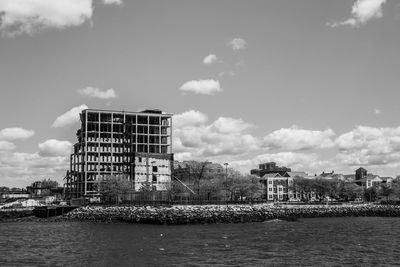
x=320 y=241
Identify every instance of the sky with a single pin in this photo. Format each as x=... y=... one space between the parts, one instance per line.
x=311 y=85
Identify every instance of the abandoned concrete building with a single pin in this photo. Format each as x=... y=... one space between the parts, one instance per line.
x=134 y=145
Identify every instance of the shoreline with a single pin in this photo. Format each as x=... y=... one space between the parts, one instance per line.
x=208 y=214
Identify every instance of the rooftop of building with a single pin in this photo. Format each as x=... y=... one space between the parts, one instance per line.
x=271 y=175
x=141 y=112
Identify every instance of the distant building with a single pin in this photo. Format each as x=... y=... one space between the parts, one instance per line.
x=372 y=180
x=133 y=145
x=189 y=172
x=36 y=189
x=269 y=167
x=279 y=187
x=361 y=174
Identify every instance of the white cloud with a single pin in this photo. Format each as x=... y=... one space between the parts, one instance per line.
x=69 y=117
x=189 y=118
x=237 y=44
x=362 y=11
x=295 y=138
x=55 y=147
x=210 y=59
x=21 y=169
x=97 y=93
x=15 y=133
x=207 y=87
x=230 y=125
x=5 y=145
x=30 y=16
x=369 y=146
x=112 y=2
x=377 y=111
x=195 y=139
x=374 y=140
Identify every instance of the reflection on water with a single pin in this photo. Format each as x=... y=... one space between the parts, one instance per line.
x=321 y=241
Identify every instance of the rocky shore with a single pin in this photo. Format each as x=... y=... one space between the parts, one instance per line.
x=224 y=214
x=208 y=214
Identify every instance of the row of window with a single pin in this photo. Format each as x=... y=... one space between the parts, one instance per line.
x=120 y=129
x=119 y=118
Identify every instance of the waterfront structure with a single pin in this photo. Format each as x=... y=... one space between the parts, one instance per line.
x=135 y=146
x=269 y=167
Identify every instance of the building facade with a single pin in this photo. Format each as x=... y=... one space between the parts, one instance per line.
x=190 y=172
x=133 y=145
x=280 y=187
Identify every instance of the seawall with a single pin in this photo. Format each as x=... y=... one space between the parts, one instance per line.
x=223 y=214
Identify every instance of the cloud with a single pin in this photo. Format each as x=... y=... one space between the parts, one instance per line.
x=377 y=111
x=374 y=140
x=97 y=93
x=21 y=169
x=190 y=118
x=237 y=44
x=198 y=139
x=30 y=16
x=69 y=117
x=295 y=138
x=210 y=59
x=206 y=87
x=362 y=11
x=15 y=133
x=5 y=145
x=55 y=147
x=230 y=125
x=112 y=2
x=366 y=145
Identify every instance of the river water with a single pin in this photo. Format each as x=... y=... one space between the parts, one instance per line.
x=358 y=241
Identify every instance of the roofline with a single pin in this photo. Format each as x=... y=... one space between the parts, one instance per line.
x=127 y=112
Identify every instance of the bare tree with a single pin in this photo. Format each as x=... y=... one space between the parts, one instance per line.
x=112 y=187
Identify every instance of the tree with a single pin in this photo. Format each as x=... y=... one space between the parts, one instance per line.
x=302 y=186
x=349 y=191
x=371 y=194
x=49 y=184
x=385 y=191
x=112 y=187
x=395 y=189
x=244 y=187
x=211 y=189
x=197 y=170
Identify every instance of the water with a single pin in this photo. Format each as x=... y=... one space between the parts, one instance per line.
x=319 y=242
